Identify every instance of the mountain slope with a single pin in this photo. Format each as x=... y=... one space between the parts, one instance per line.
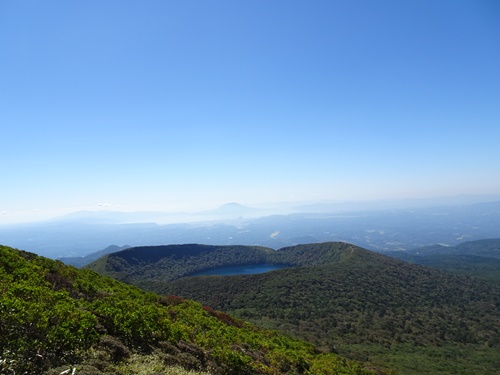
x=356 y=302
x=358 y=297
x=478 y=258
x=54 y=318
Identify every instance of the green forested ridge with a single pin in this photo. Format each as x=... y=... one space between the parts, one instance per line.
x=361 y=304
x=150 y=262
x=56 y=318
x=171 y=262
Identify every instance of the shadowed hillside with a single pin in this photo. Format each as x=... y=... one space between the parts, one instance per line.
x=171 y=262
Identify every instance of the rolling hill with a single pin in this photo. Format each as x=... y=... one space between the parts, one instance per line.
x=341 y=297
x=56 y=319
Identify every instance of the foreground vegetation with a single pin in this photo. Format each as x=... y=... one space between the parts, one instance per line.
x=345 y=299
x=56 y=318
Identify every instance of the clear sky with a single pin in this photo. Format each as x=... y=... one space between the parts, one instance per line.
x=186 y=105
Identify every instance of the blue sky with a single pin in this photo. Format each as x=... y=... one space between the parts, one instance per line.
x=186 y=105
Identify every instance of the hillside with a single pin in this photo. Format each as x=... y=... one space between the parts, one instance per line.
x=347 y=299
x=171 y=262
x=56 y=319
x=478 y=258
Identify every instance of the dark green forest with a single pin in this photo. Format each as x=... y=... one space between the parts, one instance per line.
x=58 y=319
x=345 y=299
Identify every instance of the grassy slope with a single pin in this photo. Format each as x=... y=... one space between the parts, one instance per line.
x=364 y=305
x=55 y=317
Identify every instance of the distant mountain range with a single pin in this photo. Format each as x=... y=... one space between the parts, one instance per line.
x=235 y=210
x=398 y=204
x=359 y=303
x=227 y=211
x=380 y=230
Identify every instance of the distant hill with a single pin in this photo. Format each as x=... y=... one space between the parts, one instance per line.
x=478 y=258
x=344 y=298
x=82 y=261
x=488 y=248
x=56 y=319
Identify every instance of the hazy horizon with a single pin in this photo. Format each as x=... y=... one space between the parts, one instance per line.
x=217 y=213
x=186 y=106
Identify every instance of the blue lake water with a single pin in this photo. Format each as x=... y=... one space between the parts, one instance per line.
x=240 y=270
